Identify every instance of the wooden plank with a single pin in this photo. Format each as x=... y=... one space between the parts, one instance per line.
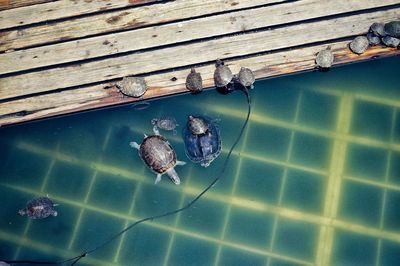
x=60 y=10
x=120 y=20
x=161 y=84
x=179 y=56
x=9 y=4
x=178 y=32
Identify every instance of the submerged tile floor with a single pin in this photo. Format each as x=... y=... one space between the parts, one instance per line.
x=314 y=181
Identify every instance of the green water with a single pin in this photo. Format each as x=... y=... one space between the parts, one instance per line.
x=315 y=179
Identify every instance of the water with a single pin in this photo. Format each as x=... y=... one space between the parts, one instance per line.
x=314 y=181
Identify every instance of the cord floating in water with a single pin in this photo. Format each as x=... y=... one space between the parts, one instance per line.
x=75 y=259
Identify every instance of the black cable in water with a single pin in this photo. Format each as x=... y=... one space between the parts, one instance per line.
x=75 y=259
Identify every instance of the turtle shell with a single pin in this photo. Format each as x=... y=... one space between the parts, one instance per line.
x=324 y=58
x=391 y=41
x=378 y=29
x=393 y=28
x=157 y=153
x=222 y=74
x=373 y=39
x=194 y=82
x=133 y=86
x=359 y=45
x=166 y=123
x=203 y=148
x=246 y=77
x=197 y=125
x=39 y=208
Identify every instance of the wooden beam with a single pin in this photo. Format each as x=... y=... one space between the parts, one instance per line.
x=120 y=20
x=178 y=32
x=60 y=10
x=196 y=53
x=9 y=4
x=106 y=94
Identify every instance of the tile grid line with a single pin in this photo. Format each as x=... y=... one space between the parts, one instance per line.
x=385 y=190
x=333 y=192
x=284 y=175
x=177 y=219
x=127 y=222
x=233 y=190
x=246 y=203
x=88 y=193
x=268 y=120
x=42 y=187
x=339 y=224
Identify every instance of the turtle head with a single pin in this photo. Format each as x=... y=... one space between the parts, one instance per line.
x=154 y=121
x=22 y=212
x=219 y=63
x=192 y=70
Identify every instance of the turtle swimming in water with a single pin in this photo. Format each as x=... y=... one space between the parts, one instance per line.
x=197 y=125
x=39 y=208
x=202 y=140
x=166 y=122
x=159 y=156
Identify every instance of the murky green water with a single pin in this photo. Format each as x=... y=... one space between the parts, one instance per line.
x=314 y=181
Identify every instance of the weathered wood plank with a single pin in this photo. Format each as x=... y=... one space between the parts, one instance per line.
x=195 y=53
x=9 y=4
x=178 y=32
x=119 y=20
x=161 y=84
x=59 y=10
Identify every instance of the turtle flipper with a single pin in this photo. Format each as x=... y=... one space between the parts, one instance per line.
x=134 y=145
x=158 y=179
x=173 y=176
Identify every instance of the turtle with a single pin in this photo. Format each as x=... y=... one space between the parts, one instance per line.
x=39 y=208
x=359 y=45
x=165 y=122
x=378 y=29
x=203 y=148
x=158 y=154
x=373 y=39
x=391 y=41
x=197 y=125
x=245 y=77
x=194 y=82
x=222 y=75
x=324 y=58
x=393 y=28
x=133 y=86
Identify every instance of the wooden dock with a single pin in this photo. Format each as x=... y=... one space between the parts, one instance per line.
x=64 y=56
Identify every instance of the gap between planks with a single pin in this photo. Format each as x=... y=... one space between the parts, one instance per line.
x=60 y=10
x=121 y=20
x=181 y=56
x=174 y=33
x=91 y=97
